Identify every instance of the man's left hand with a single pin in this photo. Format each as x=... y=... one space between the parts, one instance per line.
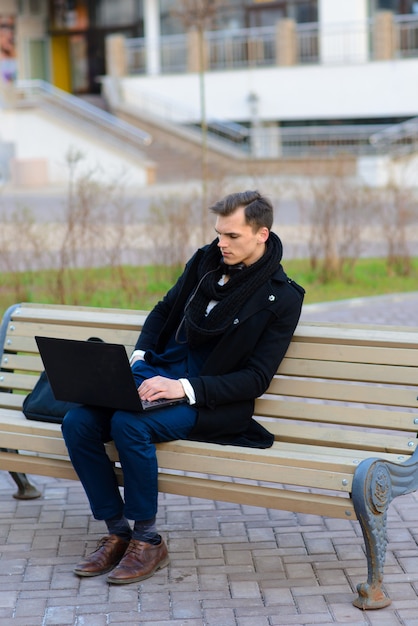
x=160 y=387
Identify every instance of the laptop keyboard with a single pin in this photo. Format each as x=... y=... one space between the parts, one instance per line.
x=148 y=405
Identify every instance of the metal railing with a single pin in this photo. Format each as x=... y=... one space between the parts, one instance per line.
x=176 y=112
x=256 y=47
x=172 y=50
x=251 y=47
x=38 y=90
x=397 y=139
x=262 y=142
x=307 y=43
x=406 y=36
x=136 y=55
x=352 y=139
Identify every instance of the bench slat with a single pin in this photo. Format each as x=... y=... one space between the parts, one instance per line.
x=252 y=495
x=353 y=354
x=337 y=437
x=281 y=454
x=284 y=453
x=15 y=421
x=252 y=470
x=359 y=372
x=357 y=334
x=22 y=382
x=68 y=331
x=34 y=443
x=298 y=451
x=42 y=466
x=368 y=394
x=23 y=362
x=353 y=415
x=79 y=315
x=11 y=401
x=287 y=460
x=256 y=495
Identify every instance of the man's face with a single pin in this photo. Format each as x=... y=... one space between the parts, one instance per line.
x=239 y=242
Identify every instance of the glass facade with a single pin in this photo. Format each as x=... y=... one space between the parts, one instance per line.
x=399 y=7
x=266 y=13
x=238 y=14
x=68 y=14
x=111 y=13
x=78 y=29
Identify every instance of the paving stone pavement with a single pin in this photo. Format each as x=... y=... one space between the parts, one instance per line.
x=230 y=565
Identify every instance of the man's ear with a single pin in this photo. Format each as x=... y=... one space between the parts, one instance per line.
x=263 y=234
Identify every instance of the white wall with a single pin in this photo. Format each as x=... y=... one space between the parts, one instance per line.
x=349 y=43
x=379 y=171
x=37 y=138
x=375 y=89
x=341 y=11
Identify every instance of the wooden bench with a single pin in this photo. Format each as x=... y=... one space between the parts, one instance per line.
x=342 y=407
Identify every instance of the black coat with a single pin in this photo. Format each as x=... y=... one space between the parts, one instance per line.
x=244 y=360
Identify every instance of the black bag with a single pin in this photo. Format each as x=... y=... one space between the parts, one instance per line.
x=41 y=405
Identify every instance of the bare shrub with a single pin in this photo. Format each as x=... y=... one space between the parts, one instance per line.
x=174 y=228
x=335 y=212
x=94 y=232
x=398 y=210
x=21 y=243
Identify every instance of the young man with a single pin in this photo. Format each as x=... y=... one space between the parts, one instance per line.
x=215 y=340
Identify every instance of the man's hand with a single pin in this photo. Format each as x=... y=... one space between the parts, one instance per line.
x=160 y=387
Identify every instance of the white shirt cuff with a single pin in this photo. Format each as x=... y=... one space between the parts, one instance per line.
x=188 y=390
x=137 y=355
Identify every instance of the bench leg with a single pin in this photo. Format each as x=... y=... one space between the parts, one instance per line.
x=26 y=491
x=375 y=484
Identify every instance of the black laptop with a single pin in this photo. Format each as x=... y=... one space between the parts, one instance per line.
x=93 y=373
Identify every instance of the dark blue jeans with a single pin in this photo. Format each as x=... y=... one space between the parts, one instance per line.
x=86 y=429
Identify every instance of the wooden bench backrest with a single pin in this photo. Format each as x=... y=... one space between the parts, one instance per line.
x=339 y=385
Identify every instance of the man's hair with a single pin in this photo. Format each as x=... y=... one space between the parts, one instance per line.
x=258 y=210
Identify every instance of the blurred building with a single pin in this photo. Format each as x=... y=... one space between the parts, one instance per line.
x=277 y=78
x=63 y=41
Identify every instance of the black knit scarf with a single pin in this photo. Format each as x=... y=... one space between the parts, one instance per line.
x=231 y=296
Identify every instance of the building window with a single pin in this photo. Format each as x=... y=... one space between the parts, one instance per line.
x=267 y=13
x=399 y=7
x=35 y=7
x=69 y=14
x=31 y=7
x=111 y=13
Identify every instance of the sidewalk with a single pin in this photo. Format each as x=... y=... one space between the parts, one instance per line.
x=230 y=565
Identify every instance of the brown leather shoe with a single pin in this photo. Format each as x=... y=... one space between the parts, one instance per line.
x=109 y=551
x=141 y=561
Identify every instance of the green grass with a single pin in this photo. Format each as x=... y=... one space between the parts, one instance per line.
x=141 y=287
x=370 y=277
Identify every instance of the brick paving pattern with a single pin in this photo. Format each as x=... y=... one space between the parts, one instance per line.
x=230 y=565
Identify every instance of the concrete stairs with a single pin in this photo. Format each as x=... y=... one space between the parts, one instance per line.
x=178 y=154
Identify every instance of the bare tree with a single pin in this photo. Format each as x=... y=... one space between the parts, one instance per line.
x=335 y=213
x=398 y=210
x=94 y=232
x=21 y=245
x=173 y=227
x=198 y=15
